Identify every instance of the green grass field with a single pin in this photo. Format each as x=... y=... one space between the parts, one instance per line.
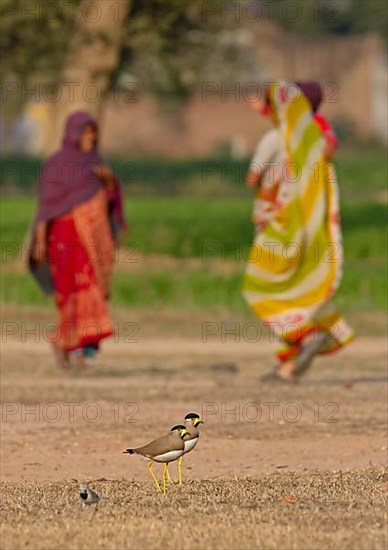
x=362 y=173
x=184 y=228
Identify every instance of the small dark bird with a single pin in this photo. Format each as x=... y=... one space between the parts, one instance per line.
x=87 y=495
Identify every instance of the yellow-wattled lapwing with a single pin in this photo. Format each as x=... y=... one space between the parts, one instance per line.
x=165 y=449
x=192 y=421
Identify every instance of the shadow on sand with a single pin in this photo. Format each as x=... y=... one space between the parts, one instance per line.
x=345 y=382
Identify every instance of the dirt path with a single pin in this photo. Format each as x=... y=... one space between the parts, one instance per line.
x=57 y=427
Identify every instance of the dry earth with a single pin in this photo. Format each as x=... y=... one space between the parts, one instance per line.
x=276 y=466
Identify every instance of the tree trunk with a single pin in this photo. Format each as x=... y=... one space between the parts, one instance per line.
x=94 y=54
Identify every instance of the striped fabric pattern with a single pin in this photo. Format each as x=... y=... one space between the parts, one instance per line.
x=295 y=263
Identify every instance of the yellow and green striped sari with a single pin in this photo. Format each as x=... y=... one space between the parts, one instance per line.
x=295 y=263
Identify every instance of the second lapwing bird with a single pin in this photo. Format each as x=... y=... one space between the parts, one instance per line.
x=192 y=422
x=165 y=449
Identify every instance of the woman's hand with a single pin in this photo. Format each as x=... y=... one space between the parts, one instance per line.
x=329 y=151
x=39 y=252
x=106 y=174
x=253 y=177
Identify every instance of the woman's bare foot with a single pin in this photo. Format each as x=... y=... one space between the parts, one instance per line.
x=283 y=372
x=61 y=357
x=80 y=361
x=286 y=371
x=308 y=352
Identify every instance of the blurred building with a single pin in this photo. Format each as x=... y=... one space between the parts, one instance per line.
x=352 y=70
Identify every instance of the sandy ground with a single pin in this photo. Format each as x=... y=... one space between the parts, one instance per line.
x=297 y=467
x=57 y=426
x=320 y=510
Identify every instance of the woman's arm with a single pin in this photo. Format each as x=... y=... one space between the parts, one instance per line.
x=40 y=247
x=331 y=144
x=264 y=153
x=107 y=176
x=253 y=176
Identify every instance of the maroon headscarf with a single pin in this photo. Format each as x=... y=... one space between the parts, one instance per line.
x=313 y=91
x=69 y=178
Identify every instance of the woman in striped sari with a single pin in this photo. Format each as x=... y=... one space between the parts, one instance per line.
x=295 y=263
x=72 y=251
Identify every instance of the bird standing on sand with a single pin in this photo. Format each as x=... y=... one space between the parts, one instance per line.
x=87 y=495
x=165 y=449
x=192 y=421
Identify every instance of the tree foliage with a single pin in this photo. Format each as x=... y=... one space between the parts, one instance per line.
x=163 y=47
x=166 y=44
x=34 y=36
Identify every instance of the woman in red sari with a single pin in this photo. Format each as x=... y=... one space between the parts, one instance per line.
x=79 y=215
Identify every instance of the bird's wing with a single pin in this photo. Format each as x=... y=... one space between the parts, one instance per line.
x=159 y=446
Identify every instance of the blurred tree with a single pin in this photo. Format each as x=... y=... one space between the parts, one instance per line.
x=92 y=56
x=86 y=47
x=166 y=43
x=74 y=44
x=34 y=36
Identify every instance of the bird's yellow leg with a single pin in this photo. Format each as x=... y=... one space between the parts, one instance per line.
x=156 y=483
x=180 y=470
x=165 y=473
x=168 y=474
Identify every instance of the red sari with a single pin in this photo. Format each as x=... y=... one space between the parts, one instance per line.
x=80 y=254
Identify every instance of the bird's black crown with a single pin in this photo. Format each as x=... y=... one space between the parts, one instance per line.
x=192 y=416
x=177 y=428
